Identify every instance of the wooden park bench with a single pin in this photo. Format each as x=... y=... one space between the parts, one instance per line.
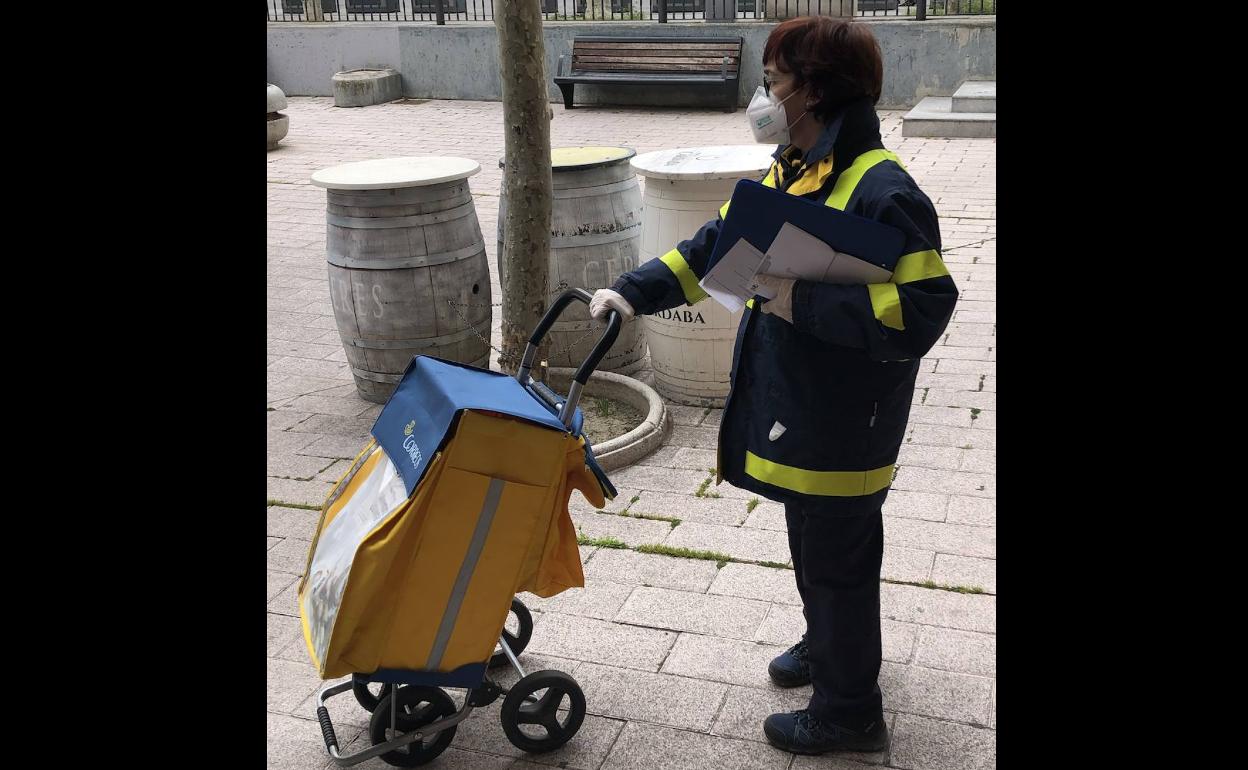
x=711 y=62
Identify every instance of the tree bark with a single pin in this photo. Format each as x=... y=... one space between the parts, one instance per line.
x=524 y=261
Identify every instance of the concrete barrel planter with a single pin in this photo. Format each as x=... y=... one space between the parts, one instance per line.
x=278 y=123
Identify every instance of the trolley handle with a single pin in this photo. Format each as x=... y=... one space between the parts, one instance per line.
x=614 y=322
x=327 y=730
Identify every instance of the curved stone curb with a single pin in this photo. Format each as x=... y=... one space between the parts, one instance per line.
x=640 y=441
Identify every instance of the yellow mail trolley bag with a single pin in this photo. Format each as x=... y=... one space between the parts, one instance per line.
x=458 y=503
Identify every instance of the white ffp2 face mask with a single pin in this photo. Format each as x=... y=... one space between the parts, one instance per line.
x=767 y=119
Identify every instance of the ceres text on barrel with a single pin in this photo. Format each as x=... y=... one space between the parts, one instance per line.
x=408 y=273
x=595 y=235
x=691 y=346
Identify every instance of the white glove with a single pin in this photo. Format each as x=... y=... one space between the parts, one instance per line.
x=606 y=299
x=782 y=304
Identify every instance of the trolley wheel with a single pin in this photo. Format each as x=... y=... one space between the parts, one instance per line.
x=530 y=712
x=366 y=697
x=517 y=640
x=418 y=706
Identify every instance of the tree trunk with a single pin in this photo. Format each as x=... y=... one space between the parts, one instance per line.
x=524 y=262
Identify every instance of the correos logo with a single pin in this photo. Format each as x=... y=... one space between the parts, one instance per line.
x=409 y=445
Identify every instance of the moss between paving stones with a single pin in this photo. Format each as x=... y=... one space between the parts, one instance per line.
x=285 y=504
x=722 y=558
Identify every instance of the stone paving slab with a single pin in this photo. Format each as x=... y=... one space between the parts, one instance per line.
x=700 y=437
x=675 y=480
x=332 y=445
x=948 y=482
x=906 y=504
x=933 y=457
x=600 y=641
x=785 y=624
x=292 y=522
x=943 y=537
x=600 y=599
x=663 y=748
x=724 y=511
x=632 y=531
x=738 y=542
x=482 y=731
x=941 y=694
x=909 y=565
x=767 y=515
x=962 y=651
x=297 y=467
x=623 y=500
x=686 y=415
x=296 y=744
x=928 y=744
x=971 y=510
x=279 y=582
x=965 y=571
x=281 y=630
x=716 y=659
x=662 y=699
x=289 y=555
x=911 y=604
x=290 y=684
x=311 y=493
x=750 y=581
x=645 y=569
x=724 y=616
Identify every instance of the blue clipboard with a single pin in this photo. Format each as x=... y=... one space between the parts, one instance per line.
x=758 y=212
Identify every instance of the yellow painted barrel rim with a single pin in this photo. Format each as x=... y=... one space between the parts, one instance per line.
x=581 y=158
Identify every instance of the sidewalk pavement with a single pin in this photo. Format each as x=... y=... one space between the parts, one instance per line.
x=671 y=652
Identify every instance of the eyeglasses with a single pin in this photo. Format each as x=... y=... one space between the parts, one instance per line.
x=771 y=80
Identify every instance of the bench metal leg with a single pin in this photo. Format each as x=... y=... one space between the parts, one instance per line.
x=730 y=92
x=567 y=89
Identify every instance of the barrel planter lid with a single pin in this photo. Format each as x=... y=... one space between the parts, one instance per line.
x=578 y=158
x=390 y=173
x=719 y=162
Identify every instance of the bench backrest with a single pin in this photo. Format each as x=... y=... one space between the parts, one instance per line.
x=596 y=53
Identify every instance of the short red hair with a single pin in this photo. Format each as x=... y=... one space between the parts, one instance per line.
x=839 y=58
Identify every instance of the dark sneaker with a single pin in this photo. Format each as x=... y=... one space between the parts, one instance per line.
x=790 y=668
x=801 y=733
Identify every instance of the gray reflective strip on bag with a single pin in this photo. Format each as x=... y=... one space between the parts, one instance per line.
x=484 y=520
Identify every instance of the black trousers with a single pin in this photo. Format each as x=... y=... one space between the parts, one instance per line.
x=836 y=559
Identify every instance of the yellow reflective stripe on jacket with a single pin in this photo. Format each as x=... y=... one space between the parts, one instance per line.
x=688 y=279
x=886 y=303
x=919 y=265
x=851 y=176
x=769 y=180
x=827 y=483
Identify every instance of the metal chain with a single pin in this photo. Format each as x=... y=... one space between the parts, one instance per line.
x=469 y=324
x=972 y=243
x=566 y=348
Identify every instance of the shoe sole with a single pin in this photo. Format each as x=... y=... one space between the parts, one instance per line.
x=784 y=680
x=861 y=749
x=779 y=744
